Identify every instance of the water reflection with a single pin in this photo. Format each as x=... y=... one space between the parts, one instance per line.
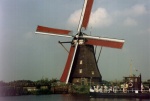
x=69 y=97
x=65 y=97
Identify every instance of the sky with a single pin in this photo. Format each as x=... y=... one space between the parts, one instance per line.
x=25 y=55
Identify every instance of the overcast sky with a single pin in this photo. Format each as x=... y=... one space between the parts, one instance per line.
x=29 y=56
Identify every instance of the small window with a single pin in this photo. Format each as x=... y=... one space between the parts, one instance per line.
x=80 y=71
x=80 y=61
x=92 y=72
x=81 y=42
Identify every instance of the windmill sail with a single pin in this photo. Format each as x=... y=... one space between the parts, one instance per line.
x=52 y=31
x=106 y=42
x=68 y=64
x=85 y=15
x=66 y=73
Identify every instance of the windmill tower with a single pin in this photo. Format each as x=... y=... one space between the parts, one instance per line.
x=81 y=65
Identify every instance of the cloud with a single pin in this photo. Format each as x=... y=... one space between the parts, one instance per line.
x=134 y=11
x=130 y=22
x=102 y=18
x=138 y=9
x=74 y=17
x=129 y=15
x=98 y=18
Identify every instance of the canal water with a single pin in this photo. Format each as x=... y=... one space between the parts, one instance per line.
x=65 y=97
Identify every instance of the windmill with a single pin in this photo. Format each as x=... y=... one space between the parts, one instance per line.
x=81 y=64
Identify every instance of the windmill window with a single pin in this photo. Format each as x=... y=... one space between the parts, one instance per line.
x=135 y=79
x=92 y=72
x=80 y=42
x=80 y=71
x=81 y=62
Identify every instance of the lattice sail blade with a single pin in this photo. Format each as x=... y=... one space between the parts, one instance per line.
x=52 y=31
x=106 y=42
x=67 y=70
x=85 y=15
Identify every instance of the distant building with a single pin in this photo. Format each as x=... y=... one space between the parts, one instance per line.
x=30 y=88
x=134 y=83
